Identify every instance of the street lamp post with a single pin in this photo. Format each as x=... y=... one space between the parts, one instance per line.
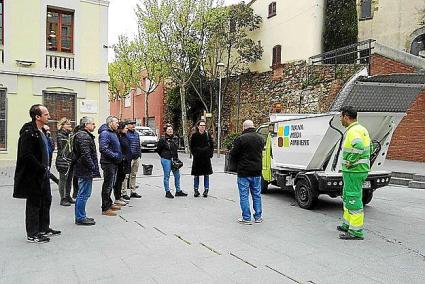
x=219 y=65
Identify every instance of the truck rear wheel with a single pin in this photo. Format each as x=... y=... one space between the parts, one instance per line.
x=367 y=196
x=264 y=186
x=306 y=195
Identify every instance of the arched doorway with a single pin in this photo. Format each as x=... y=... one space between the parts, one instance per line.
x=417 y=41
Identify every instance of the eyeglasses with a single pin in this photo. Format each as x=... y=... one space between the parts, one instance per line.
x=201 y=124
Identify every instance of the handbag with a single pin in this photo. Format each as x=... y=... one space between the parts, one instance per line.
x=176 y=164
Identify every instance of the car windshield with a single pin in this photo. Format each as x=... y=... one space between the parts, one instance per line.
x=146 y=132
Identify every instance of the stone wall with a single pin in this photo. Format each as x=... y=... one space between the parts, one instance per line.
x=300 y=87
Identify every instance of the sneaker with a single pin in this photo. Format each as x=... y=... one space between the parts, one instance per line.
x=65 y=202
x=196 y=194
x=86 y=222
x=244 y=222
x=70 y=200
x=135 y=195
x=259 y=220
x=205 y=194
x=126 y=197
x=115 y=207
x=121 y=203
x=169 y=195
x=181 y=193
x=39 y=238
x=341 y=229
x=109 y=212
x=89 y=218
x=51 y=233
x=125 y=200
x=350 y=237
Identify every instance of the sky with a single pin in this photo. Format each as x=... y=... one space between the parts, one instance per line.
x=122 y=20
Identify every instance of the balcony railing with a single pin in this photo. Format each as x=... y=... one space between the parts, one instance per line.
x=57 y=62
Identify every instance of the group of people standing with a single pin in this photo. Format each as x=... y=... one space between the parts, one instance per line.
x=77 y=163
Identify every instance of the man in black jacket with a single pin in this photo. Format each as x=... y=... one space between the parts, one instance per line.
x=246 y=154
x=32 y=176
x=86 y=168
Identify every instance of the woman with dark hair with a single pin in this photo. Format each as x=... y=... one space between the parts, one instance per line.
x=202 y=148
x=167 y=150
x=124 y=168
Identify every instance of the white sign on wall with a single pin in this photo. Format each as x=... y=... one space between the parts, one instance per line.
x=127 y=101
x=88 y=106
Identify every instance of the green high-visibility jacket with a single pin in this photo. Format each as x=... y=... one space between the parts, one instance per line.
x=356 y=149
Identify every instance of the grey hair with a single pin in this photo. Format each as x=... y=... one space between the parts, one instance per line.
x=85 y=120
x=248 y=124
x=110 y=118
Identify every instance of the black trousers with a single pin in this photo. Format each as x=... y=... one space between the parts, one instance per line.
x=37 y=211
x=109 y=178
x=118 y=182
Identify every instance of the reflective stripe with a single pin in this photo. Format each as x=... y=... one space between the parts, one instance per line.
x=352 y=212
x=355 y=151
x=361 y=161
x=354 y=141
x=355 y=228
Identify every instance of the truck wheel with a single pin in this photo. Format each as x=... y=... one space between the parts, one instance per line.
x=264 y=186
x=305 y=195
x=367 y=196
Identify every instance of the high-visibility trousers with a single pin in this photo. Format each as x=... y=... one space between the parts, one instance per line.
x=353 y=217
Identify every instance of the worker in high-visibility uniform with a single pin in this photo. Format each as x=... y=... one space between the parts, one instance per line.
x=355 y=169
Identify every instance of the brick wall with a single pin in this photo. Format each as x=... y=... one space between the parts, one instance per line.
x=408 y=142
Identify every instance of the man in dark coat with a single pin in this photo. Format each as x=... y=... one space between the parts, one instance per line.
x=247 y=155
x=86 y=168
x=32 y=176
x=201 y=147
x=134 y=139
x=111 y=157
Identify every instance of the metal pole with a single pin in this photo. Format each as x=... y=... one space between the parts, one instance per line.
x=219 y=115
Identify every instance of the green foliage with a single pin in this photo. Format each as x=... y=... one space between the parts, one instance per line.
x=228 y=141
x=341 y=26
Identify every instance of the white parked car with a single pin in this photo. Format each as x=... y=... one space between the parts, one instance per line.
x=148 y=138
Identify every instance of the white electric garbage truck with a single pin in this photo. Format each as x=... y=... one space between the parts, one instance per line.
x=305 y=149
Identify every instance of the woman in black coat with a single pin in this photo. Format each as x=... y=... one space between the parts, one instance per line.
x=124 y=168
x=202 y=148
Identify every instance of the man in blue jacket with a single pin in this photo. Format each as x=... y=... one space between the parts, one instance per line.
x=111 y=156
x=135 y=150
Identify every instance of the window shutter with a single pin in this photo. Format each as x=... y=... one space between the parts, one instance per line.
x=365 y=9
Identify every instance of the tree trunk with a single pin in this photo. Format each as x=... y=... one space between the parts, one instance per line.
x=146 y=109
x=121 y=108
x=184 y=122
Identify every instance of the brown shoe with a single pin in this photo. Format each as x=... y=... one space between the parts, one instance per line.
x=115 y=207
x=109 y=212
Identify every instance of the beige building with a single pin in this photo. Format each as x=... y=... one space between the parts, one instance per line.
x=291 y=30
x=394 y=23
x=53 y=52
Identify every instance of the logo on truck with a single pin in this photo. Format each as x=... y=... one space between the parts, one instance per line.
x=291 y=135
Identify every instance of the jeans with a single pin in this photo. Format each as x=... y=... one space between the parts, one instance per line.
x=206 y=182
x=109 y=178
x=65 y=181
x=166 y=167
x=119 y=183
x=37 y=211
x=84 y=192
x=253 y=185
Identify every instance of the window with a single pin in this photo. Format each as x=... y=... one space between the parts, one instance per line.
x=276 y=55
x=365 y=9
x=59 y=105
x=60 y=30
x=1 y=22
x=3 y=119
x=272 y=9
